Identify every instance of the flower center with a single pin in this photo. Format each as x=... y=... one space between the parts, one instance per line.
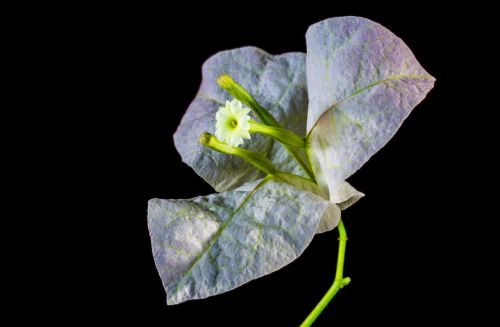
x=233 y=123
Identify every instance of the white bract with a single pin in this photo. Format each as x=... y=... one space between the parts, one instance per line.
x=346 y=98
x=232 y=123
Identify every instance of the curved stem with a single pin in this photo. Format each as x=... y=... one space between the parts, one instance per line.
x=296 y=154
x=339 y=282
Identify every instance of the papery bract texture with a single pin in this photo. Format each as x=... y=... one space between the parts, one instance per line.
x=212 y=244
x=363 y=81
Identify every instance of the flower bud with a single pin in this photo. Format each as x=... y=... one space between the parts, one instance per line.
x=256 y=159
x=238 y=92
x=279 y=134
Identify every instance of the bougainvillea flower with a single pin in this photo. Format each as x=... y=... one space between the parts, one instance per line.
x=232 y=123
x=346 y=98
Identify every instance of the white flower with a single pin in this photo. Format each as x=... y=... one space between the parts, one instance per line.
x=232 y=123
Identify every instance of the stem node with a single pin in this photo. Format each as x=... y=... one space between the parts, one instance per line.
x=339 y=282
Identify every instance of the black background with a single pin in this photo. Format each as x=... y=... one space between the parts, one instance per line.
x=127 y=76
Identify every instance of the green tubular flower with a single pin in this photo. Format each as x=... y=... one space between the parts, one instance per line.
x=232 y=123
x=280 y=134
x=227 y=83
x=258 y=160
x=291 y=142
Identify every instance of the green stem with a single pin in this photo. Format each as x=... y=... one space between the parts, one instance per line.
x=339 y=282
x=298 y=157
